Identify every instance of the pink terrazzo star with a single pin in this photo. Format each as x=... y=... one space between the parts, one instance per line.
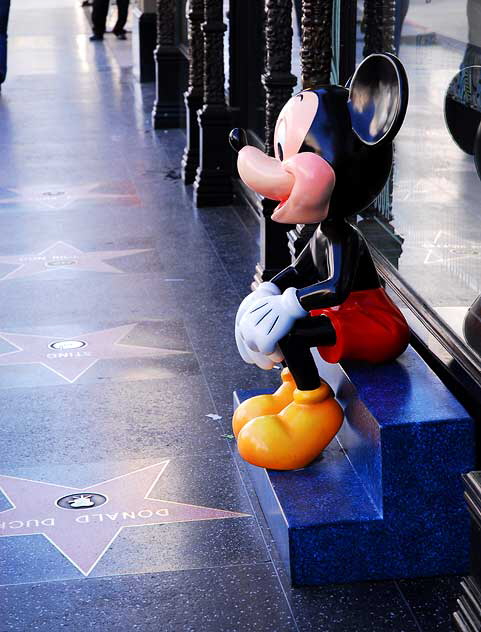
x=72 y=357
x=90 y=518
x=58 y=197
x=62 y=256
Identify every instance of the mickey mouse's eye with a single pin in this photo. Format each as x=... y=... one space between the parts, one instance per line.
x=280 y=152
x=280 y=139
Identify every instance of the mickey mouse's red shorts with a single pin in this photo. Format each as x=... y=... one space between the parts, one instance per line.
x=369 y=327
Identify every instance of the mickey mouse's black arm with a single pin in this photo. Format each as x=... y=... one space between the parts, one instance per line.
x=325 y=270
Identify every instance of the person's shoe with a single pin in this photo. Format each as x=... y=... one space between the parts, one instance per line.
x=96 y=38
x=296 y=436
x=120 y=34
x=264 y=404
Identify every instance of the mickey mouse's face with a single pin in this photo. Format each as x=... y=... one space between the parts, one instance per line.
x=312 y=177
x=293 y=123
x=302 y=181
x=332 y=146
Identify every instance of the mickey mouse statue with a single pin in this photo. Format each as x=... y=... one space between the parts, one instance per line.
x=333 y=155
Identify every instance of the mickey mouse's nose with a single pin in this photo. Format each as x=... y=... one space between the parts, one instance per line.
x=238 y=138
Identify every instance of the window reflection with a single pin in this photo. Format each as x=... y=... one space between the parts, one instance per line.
x=472 y=325
x=473 y=51
x=427 y=222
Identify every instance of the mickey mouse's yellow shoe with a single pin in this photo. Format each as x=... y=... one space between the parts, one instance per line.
x=265 y=404
x=294 y=437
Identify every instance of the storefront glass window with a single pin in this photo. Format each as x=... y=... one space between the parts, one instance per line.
x=428 y=221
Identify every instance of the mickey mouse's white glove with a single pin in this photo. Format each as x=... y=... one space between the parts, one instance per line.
x=264 y=289
x=262 y=360
x=268 y=319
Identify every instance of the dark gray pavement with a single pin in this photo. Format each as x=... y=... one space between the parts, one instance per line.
x=81 y=405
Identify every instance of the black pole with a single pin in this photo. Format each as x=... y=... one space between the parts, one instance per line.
x=213 y=181
x=170 y=69
x=194 y=97
x=316 y=59
x=278 y=82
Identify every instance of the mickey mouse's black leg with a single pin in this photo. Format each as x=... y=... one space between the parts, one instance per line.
x=308 y=332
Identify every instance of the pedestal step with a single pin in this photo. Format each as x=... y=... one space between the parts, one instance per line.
x=467 y=617
x=385 y=498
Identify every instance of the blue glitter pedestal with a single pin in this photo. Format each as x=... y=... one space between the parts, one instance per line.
x=385 y=499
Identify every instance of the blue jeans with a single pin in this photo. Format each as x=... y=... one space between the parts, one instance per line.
x=4 y=9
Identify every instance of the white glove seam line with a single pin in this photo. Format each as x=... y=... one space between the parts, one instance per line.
x=273 y=325
x=262 y=317
x=257 y=308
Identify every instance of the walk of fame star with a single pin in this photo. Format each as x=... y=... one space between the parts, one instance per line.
x=446 y=247
x=59 y=197
x=61 y=256
x=72 y=357
x=81 y=528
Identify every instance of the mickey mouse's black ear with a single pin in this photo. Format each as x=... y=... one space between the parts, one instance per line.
x=378 y=98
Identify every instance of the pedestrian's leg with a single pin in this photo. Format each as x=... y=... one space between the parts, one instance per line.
x=100 y=10
x=122 y=15
x=402 y=7
x=4 y=10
